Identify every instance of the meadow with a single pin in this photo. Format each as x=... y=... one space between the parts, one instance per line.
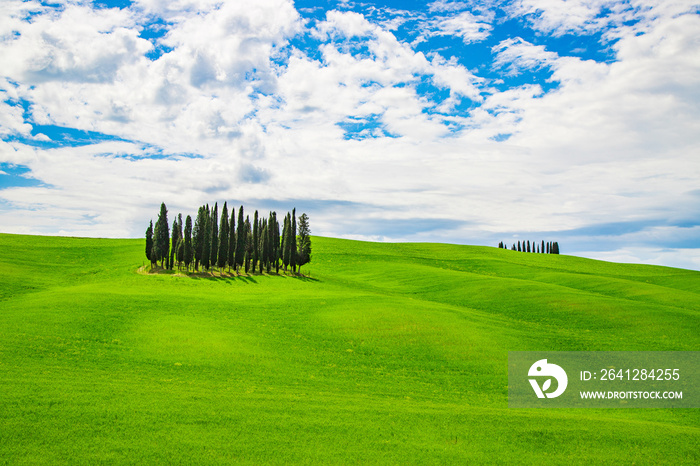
x=381 y=353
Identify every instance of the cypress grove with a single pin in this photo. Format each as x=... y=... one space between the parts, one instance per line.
x=242 y=246
x=534 y=247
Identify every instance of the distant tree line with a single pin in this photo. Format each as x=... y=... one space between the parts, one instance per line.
x=238 y=244
x=543 y=248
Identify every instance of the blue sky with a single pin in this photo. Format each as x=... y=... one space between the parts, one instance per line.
x=450 y=121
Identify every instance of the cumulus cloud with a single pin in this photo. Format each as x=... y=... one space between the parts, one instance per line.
x=77 y=44
x=465 y=25
x=444 y=5
x=516 y=54
x=572 y=16
x=686 y=258
x=12 y=120
x=611 y=17
x=89 y=70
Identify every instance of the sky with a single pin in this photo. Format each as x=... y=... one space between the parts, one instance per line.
x=469 y=122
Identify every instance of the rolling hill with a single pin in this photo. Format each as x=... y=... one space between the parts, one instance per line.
x=383 y=353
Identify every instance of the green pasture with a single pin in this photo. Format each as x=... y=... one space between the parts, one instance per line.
x=381 y=353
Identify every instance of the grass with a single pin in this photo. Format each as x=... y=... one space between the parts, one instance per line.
x=389 y=353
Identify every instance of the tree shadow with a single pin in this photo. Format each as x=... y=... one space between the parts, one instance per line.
x=305 y=278
x=247 y=278
x=227 y=277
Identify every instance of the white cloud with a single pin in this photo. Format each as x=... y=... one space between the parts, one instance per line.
x=11 y=11
x=12 y=120
x=345 y=24
x=90 y=72
x=465 y=25
x=516 y=54
x=571 y=16
x=443 y=5
x=380 y=80
x=640 y=107
x=125 y=185
x=77 y=44
x=612 y=17
x=685 y=258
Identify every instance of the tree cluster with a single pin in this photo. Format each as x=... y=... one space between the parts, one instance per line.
x=234 y=242
x=543 y=248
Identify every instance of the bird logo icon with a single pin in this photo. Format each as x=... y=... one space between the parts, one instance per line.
x=542 y=368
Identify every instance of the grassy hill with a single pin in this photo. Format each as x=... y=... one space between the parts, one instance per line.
x=388 y=353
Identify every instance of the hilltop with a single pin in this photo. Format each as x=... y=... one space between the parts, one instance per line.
x=381 y=353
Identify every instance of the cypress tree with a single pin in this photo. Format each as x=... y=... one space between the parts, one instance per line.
x=179 y=255
x=304 y=241
x=273 y=232
x=542 y=249
x=265 y=246
x=555 y=247
x=270 y=242
x=214 y=234
x=198 y=236
x=173 y=249
x=261 y=243
x=232 y=241
x=513 y=248
x=528 y=245
x=248 y=244
x=149 y=243
x=285 y=242
x=265 y=233
x=264 y=229
x=284 y=252
x=179 y=252
x=276 y=251
x=206 y=239
x=189 y=252
x=293 y=247
x=240 y=240
x=223 y=238
x=519 y=250
x=161 y=235
x=256 y=240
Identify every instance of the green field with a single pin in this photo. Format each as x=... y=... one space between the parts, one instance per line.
x=387 y=353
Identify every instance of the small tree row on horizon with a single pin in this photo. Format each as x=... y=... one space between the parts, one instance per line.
x=238 y=244
x=552 y=247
